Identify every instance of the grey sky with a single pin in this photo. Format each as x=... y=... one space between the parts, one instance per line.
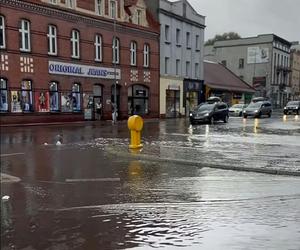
x=251 y=17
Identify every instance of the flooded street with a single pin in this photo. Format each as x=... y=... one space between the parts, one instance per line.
x=91 y=193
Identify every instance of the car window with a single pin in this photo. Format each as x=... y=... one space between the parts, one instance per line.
x=293 y=103
x=205 y=107
x=221 y=106
x=255 y=105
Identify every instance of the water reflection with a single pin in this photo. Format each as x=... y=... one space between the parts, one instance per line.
x=284 y=118
x=256 y=123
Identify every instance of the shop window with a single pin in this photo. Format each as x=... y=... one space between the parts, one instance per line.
x=138 y=100
x=75 y=44
x=146 y=55
x=52 y=40
x=26 y=96
x=99 y=7
x=98 y=48
x=116 y=50
x=2 y=32
x=54 y=97
x=133 y=47
x=76 y=100
x=3 y=95
x=25 y=36
x=41 y=101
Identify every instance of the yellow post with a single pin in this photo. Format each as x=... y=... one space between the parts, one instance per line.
x=135 y=125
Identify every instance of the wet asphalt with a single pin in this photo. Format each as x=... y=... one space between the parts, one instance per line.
x=89 y=193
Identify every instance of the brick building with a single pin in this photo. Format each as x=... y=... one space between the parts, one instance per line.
x=61 y=62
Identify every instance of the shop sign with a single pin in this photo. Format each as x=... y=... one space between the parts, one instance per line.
x=70 y=69
x=174 y=87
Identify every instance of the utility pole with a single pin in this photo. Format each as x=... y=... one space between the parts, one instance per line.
x=114 y=106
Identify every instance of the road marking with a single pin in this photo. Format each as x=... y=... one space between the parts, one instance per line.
x=13 y=154
x=93 y=180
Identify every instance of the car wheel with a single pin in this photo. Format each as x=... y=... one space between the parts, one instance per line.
x=259 y=115
x=226 y=119
x=285 y=113
x=245 y=116
x=240 y=114
x=270 y=114
x=192 y=122
x=212 y=120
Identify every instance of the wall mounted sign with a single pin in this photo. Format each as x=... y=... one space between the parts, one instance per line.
x=70 y=69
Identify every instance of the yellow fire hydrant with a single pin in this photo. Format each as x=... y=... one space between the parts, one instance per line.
x=135 y=125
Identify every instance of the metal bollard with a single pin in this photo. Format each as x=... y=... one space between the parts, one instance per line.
x=135 y=125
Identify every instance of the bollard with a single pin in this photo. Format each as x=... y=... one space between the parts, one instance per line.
x=135 y=125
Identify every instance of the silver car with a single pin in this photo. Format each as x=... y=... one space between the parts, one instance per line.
x=237 y=109
x=258 y=109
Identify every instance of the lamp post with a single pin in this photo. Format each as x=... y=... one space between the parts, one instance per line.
x=114 y=111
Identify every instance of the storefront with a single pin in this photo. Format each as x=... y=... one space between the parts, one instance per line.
x=194 y=92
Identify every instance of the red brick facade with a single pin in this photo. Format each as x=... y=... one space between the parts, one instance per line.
x=34 y=66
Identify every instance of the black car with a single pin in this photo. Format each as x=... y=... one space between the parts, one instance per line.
x=292 y=107
x=209 y=113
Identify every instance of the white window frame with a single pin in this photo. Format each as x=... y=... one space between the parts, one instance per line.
x=52 y=40
x=116 y=50
x=111 y=10
x=133 y=53
x=25 y=35
x=75 y=40
x=2 y=30
x=146 y=53
x=99 y=7
x=98 y=48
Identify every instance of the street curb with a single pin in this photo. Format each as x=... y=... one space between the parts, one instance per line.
x=271 y=171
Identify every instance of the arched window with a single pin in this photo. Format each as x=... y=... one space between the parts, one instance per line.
x=3 y=95
x=138 y=100
x=146 y=53
x=116 y=50
x=54 y=97
x=25 y=36
x=75 y=44
x=26 y=96
x=52 y=40
x=76 y=100
x=133 y=47
x=98 y=48
x=2 y=32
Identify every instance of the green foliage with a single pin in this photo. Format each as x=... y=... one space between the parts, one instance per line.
x=223 y=37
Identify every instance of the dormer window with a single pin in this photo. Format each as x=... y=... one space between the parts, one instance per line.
x=139 y=17
x=112 y=9
x=53 y=1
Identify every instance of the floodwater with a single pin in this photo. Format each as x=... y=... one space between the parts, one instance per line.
x=83 y=194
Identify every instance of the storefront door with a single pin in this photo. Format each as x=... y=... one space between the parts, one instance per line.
x=172 y=103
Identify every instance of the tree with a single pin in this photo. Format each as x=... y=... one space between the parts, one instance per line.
x=225 y=36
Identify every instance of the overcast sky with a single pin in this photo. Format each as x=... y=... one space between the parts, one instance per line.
x=251 y=17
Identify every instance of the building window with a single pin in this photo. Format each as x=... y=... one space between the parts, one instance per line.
x=146 y=55
x=3 y=95
x=116 y=50
x=133 y=46
x=178 y=36
x=70 y=4
x=241 y=63
x=99 y=7
x=112 y=9
x=54 y=98
x=26 y=96
x=138 y=100
x=76 y=100
x=2 y=32
x=53 y=1
x=139 y=17
x=197 y=43
x=52 y=40
x=167 y=59
x=188 y=40
x=167 y=33
x=197 y=70
x=25 y=36
x=187 y=68
x=241 y=77
x=98 y=48
x=75 y=44
x=224 y=63
x=178 y=67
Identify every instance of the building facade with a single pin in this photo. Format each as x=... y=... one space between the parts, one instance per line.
x=262 y=61
x=77 y=59
x=295 y=71
x=181 y=58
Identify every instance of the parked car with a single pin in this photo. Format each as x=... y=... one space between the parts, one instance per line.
x=209 y=113
x=258 y=109
x=237 y=109
x=292 y=107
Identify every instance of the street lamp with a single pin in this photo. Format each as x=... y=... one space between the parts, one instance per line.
x=114 y=106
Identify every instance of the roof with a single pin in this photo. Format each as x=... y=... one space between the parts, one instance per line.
x=217 y=76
